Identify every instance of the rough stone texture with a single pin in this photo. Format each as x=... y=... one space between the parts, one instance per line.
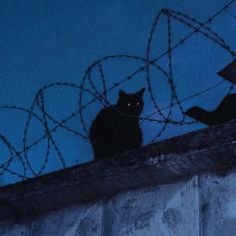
x=204 y=205
x=211 y=149
x=77 y=220
x=153 y=211
x=165 y=210
x=164 y=189
x=218 y=205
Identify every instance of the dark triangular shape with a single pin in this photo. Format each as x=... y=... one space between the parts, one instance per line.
x=225 y=111
x=229 y=72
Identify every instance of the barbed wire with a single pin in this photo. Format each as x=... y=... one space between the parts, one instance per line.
x=39 y=112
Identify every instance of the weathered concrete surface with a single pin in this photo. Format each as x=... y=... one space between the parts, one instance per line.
x=158 y=211
x=164 y=189
x=212 y=149
x=204 y=205
x=218 y=205
x=75 y=220
x=154 y=211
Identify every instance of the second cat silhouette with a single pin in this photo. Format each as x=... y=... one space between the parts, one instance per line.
x=224 y=112
x=116 y=128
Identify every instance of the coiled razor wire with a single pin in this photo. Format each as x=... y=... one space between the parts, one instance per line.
x=39 y=112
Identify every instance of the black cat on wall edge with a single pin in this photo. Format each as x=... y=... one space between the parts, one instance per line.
x=116 y=128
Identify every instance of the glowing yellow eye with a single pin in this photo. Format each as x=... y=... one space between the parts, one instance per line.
x=129 y=104
x=138 y=103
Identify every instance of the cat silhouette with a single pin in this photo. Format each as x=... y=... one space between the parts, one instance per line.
x=224 y=112
x=116 y=128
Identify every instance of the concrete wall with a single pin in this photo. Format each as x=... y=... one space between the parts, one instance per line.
x=163 y=189
x=202 y=205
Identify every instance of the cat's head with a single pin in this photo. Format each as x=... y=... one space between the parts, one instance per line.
x=131 y=104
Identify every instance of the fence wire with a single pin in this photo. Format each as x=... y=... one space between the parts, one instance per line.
x=88 y=87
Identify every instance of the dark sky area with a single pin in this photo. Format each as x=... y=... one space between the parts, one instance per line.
x=48 y=41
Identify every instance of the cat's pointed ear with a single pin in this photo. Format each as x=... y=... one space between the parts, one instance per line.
x=141 y=91
x=122 y=93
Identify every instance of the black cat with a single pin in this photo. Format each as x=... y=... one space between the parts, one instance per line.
x=116 y=128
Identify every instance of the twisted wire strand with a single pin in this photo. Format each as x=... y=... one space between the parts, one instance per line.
x=39 y=112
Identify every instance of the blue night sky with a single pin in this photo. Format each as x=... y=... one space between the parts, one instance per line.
x=48 y=41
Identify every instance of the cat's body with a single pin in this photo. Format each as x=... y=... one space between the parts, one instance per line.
x=116 y=128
